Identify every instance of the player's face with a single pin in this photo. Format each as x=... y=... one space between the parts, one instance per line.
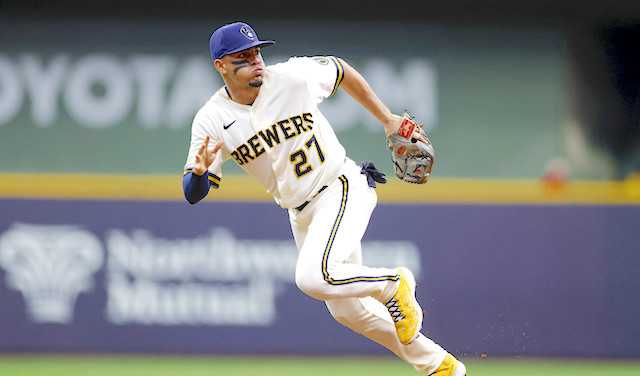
x=246 y=67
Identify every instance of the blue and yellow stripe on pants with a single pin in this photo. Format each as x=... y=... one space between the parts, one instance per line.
x=330 y=243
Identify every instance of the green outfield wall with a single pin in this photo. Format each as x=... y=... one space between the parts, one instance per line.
x=118 y=96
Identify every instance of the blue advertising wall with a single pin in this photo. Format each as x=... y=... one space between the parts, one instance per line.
x=217 y=277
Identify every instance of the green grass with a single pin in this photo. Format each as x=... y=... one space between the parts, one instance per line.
x=65 y=365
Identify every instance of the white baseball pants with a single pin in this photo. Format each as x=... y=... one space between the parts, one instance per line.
x=328 y=233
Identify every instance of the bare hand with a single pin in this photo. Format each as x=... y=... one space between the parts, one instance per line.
x=205 y=156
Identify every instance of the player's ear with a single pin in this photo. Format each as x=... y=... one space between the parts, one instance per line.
x=219 y=65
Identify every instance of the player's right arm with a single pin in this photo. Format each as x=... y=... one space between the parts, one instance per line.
x=195 y=183
x=206 y=156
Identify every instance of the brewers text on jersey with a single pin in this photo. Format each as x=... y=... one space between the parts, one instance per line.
x=288 y=128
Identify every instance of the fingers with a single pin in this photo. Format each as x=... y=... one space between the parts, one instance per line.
x=419 y=135
x=218 y=146
x=206 y=155
x=422 y=138
x=204 y=145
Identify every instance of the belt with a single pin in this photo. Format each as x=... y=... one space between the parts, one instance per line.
x=299 y=208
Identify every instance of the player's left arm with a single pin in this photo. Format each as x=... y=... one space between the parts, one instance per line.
x=357 y=87
x=413 y=161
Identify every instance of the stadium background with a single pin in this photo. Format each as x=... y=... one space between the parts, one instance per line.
x=525 y=240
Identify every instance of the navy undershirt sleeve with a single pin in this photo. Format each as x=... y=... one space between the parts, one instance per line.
x=195 y=187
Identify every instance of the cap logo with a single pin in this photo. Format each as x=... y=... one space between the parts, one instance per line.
x=247 y=32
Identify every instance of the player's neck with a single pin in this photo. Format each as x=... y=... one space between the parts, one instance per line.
x=243 y=95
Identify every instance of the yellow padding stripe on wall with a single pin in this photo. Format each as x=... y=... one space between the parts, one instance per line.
x=243 y=188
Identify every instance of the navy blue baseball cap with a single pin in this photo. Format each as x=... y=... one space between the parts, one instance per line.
x=232 y=38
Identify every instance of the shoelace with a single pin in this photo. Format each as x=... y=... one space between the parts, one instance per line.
x=394 y=310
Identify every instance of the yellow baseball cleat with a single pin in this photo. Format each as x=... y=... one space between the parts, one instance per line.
x=404 y=308
x=450 y=367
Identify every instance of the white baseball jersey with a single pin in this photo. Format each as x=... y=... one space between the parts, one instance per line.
x=281 y=140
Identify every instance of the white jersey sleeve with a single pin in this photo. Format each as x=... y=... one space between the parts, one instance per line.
x=322 y=73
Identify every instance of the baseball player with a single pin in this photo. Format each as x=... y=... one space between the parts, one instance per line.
x=266 y=119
